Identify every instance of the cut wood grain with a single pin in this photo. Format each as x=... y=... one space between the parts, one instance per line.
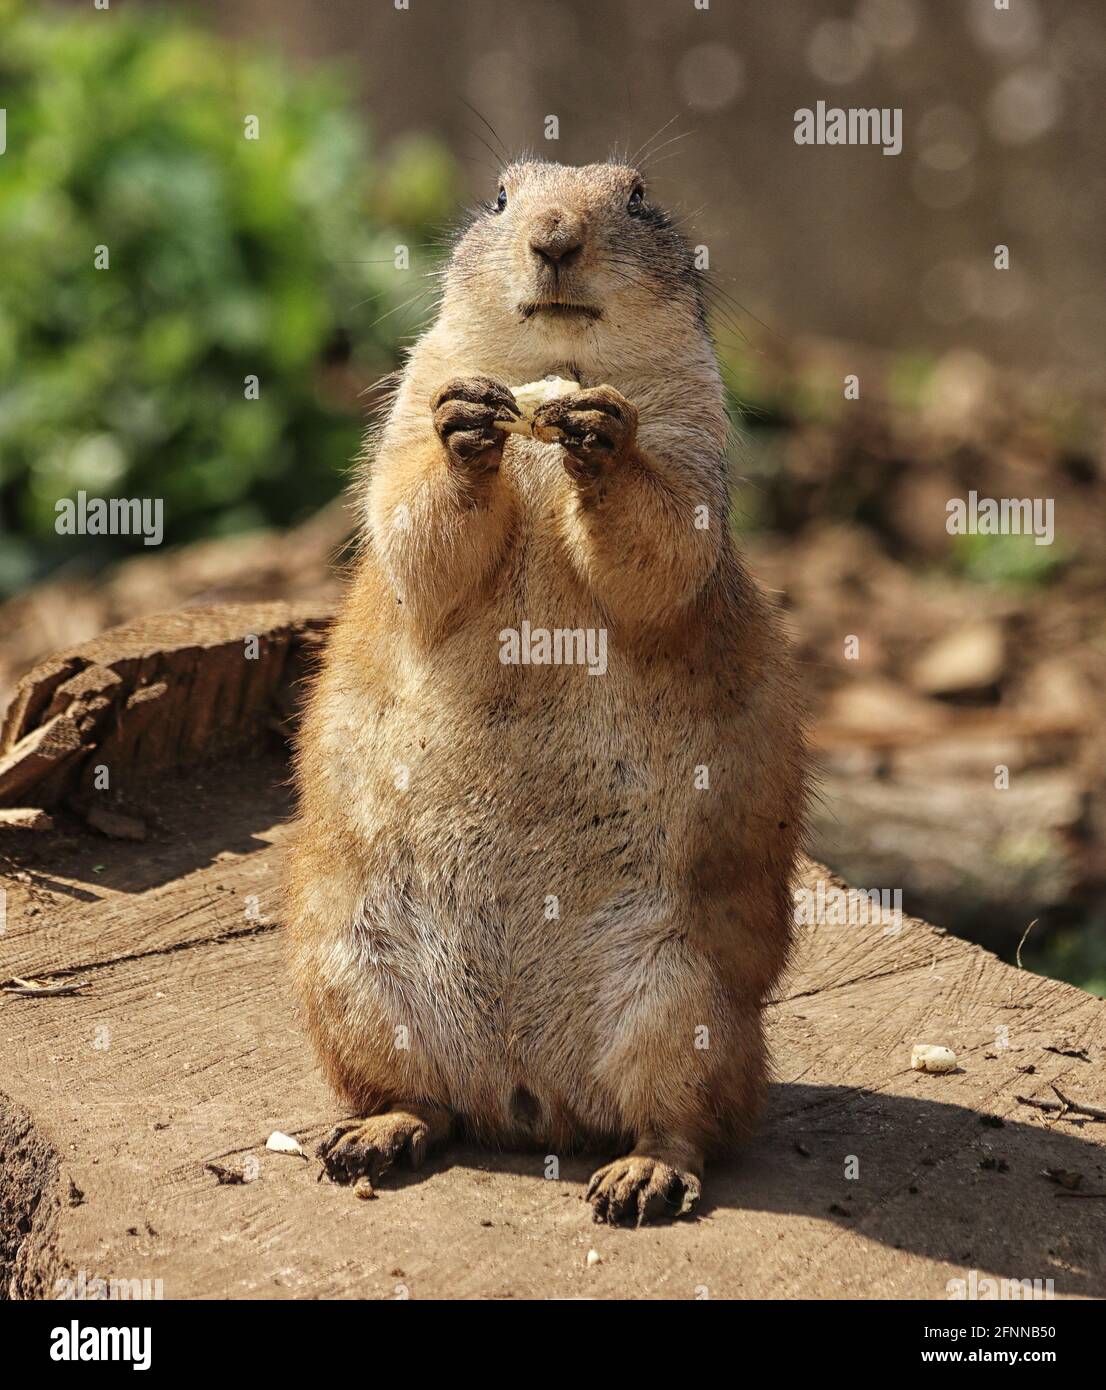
x=155 y=696
x=39 y=755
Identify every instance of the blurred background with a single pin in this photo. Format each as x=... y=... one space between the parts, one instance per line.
x=276 y=257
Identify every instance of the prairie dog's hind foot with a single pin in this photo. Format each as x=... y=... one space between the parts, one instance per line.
x=368 y=1146
x=641 y=1187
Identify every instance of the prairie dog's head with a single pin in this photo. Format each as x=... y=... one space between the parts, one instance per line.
x=567 y=264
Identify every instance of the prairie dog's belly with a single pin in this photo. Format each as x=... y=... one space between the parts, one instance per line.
x=523 y=832
x=520 y=993
x=535 y=769
x=523 y=890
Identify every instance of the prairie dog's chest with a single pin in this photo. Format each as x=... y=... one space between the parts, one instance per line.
x=539 y=574
x=540 y=658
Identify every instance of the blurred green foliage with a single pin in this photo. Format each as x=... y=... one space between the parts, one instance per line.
x=229 y=257
x=1010 y=561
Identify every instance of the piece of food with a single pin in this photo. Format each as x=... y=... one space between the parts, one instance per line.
x=531 y=396
x=279 y=1143
x=929 y=1057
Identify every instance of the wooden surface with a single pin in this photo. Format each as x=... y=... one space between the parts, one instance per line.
x=180 y=1048
x=153 y=697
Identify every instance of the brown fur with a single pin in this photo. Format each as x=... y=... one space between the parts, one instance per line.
x=427 y=909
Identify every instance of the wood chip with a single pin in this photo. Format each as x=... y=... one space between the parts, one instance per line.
x=226 y=1177
x=114 y=824
x=41 y=752
x=25 y=818
x=1066 y=1177
x=279 y=1143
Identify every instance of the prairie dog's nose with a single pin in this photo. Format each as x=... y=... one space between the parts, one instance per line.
x=557 y=237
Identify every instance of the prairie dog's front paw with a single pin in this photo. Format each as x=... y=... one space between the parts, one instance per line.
x=596 y=425
x=465 y=411
x=368 y=1147
x=638 y=1188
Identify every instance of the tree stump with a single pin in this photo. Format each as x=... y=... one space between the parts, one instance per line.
x=151 y=1049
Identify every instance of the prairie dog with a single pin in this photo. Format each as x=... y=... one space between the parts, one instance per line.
x=531 y=898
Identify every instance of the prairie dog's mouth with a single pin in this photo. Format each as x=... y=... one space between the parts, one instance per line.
x=558 y=309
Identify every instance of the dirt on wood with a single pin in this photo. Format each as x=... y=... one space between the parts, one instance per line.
x=134 y=1112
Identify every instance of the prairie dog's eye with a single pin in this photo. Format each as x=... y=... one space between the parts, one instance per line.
x=637 y=199
x=501 y=199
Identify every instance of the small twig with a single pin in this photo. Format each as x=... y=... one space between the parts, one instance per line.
x=1021 y=943
x=1094 y=1112
x=1063 y=1106
x=30 y=989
